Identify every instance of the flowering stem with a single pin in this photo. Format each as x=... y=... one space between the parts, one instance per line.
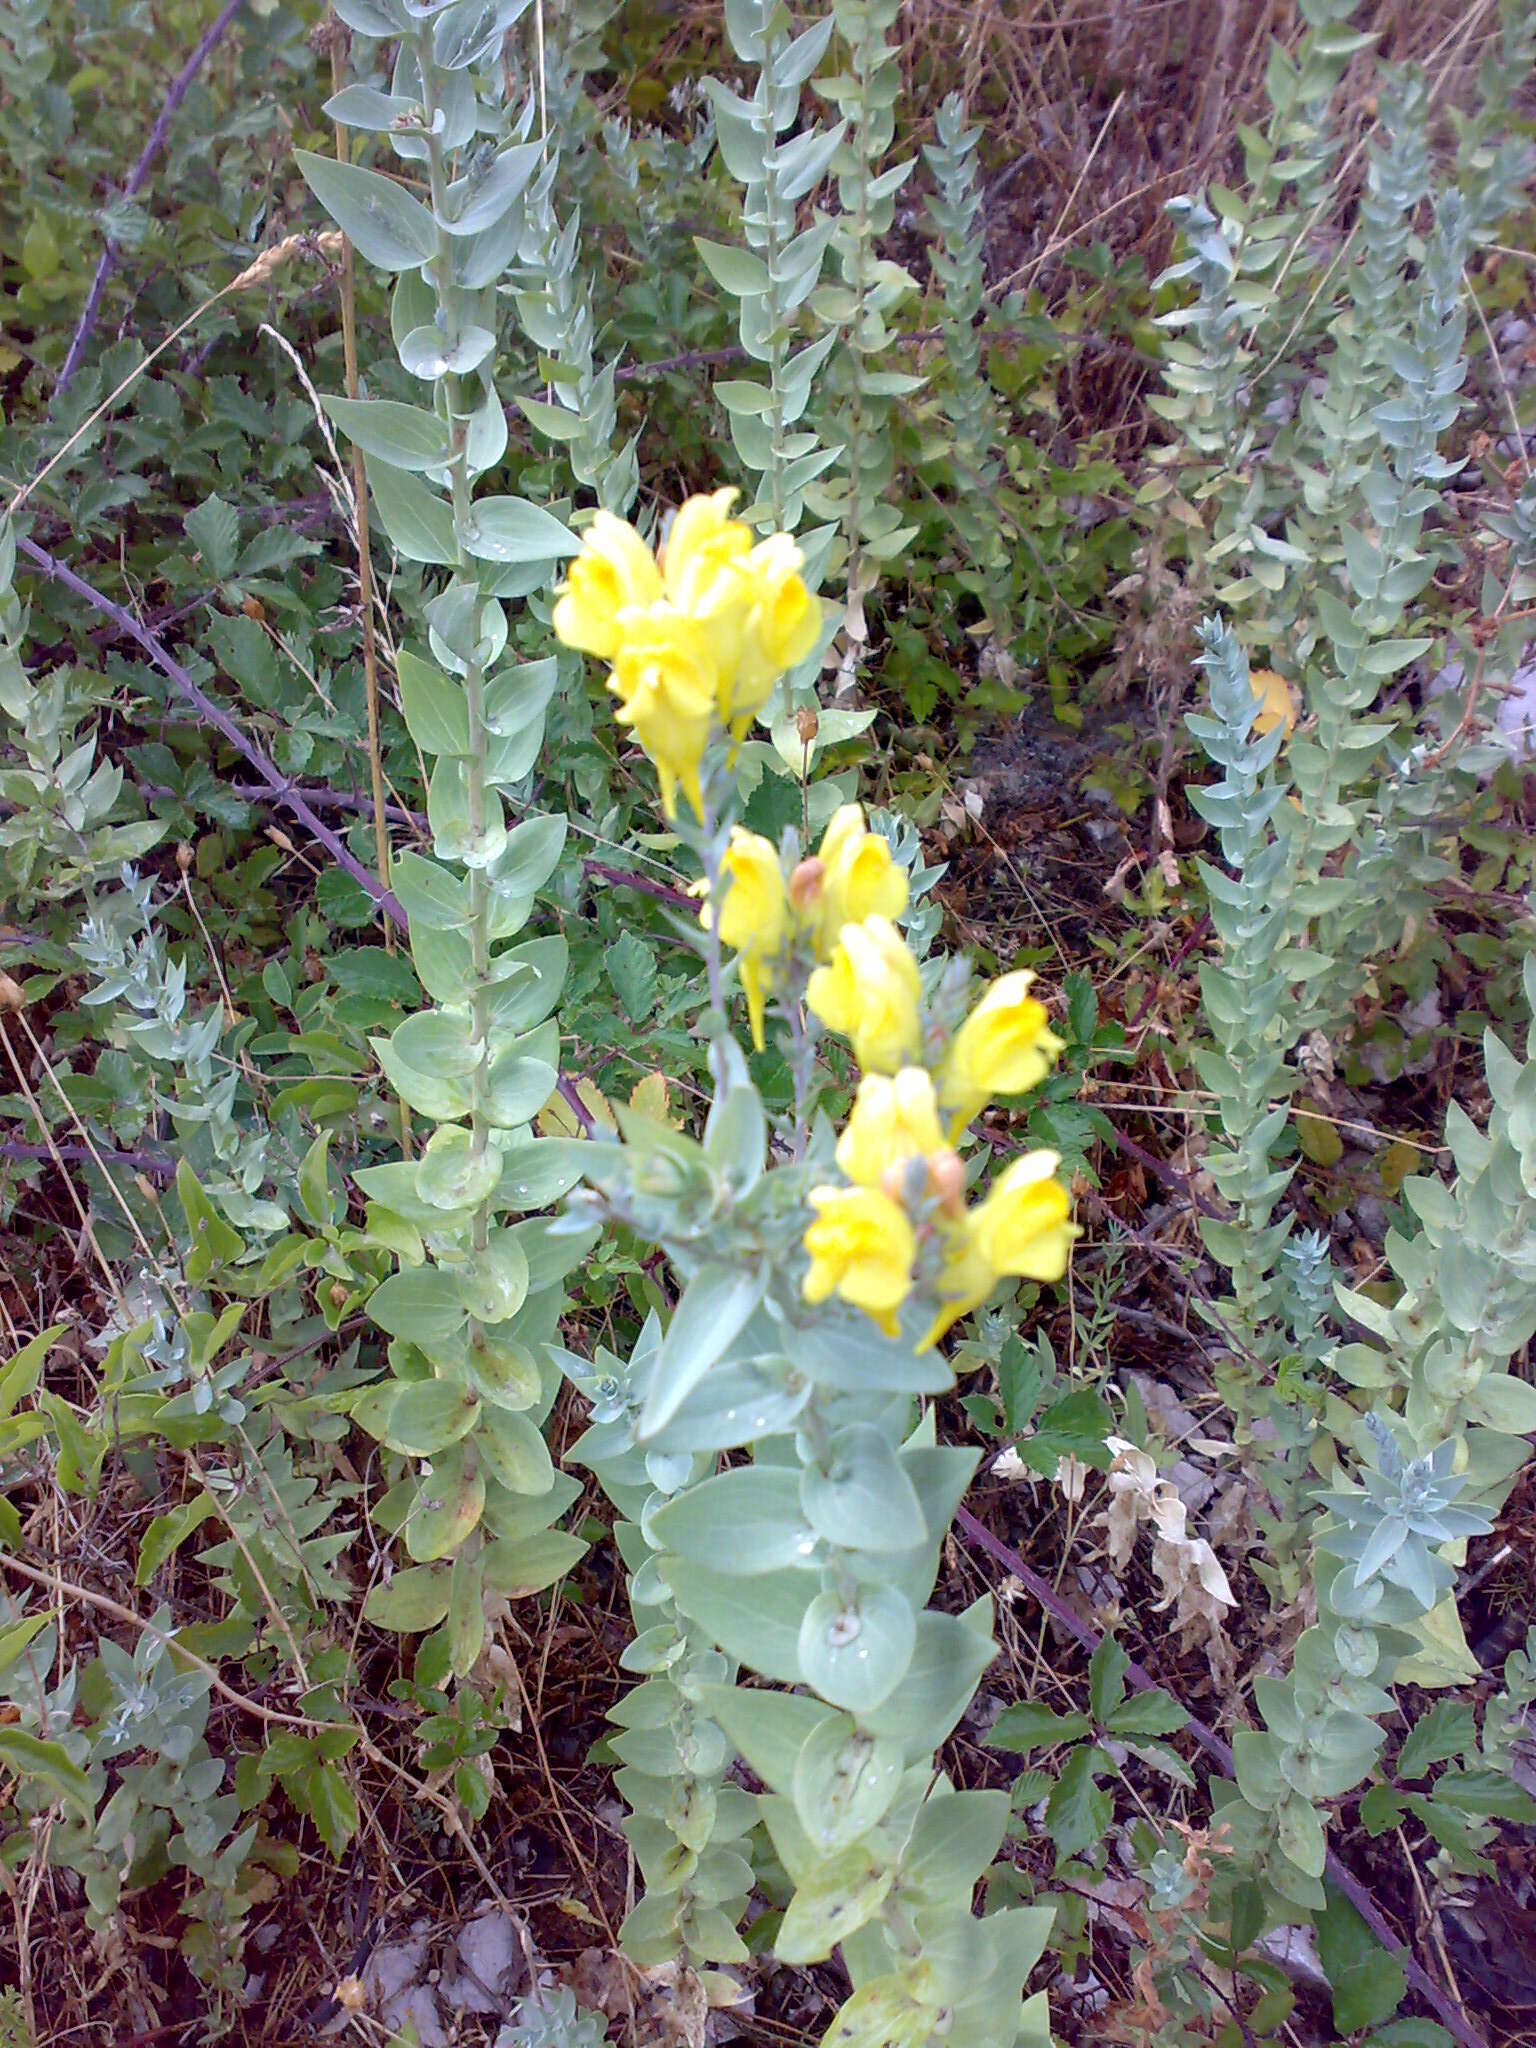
x=802 y=1067
x=713 y=840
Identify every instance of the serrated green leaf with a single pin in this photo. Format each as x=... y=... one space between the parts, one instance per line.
x=214 y=530
x=1367 y=1983
x=631 y=968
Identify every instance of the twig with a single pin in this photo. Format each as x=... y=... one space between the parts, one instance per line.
x=1171 y=1178
x=211 y=37
x=1141 y=1680
x=169 y=1637
x=283 y=790
x=258 y=272
x=624 y=878
x=312 y=792
x=155 y=1164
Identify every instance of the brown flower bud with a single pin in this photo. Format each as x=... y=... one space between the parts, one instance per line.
x=11 y=996
x=946 y=1177
x=805 y=882
x=807 y=724
x=184 y=858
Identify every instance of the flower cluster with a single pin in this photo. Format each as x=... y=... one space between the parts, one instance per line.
x=850 y=878
x=695 y=639
x=903 y=1221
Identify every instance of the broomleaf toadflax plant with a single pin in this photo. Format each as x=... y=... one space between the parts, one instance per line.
x=783 y=1494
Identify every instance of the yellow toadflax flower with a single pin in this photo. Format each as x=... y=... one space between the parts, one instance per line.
x=701 y=566
x=782 y=625
x=850 y=876
x=861 y=1248
x=870 y=991
x=614 y=571
x=1005 y=1047
x=892 y=1123
x=664 y=678
x=754 y=918
x=1024 y=1228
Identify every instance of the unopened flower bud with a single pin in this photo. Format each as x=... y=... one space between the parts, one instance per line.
x=184 y=858
x=11 y=995
x=946 y=1178
x=805 y=883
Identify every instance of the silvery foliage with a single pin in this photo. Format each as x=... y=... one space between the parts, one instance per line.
x=476 y=1293
x=553 y=2019
x=1348 y=470
x=857 y=424
x=956 y=260
x=1434 y=1467
x=1400 y=1516
x=1354 y=473
x=781 y=264
x=55 y=839
x=580 y=408
x=186 y=1073
x=148 y=1720
x=1467 y=1276
x=784 y=1503
x=924 y=915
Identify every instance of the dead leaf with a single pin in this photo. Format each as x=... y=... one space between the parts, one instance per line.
x=672 y=2010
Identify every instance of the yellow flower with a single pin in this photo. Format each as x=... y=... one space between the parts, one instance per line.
x=861 y=1248
x=614 y=571
x=1023 y=1228
x=870 y=991
x=664 y=678
x=702 y=543
x=782 y=625
x=701 y=565
x=857 y=879
x=892 y=1122
x=1003 y=1048
x=754 y=918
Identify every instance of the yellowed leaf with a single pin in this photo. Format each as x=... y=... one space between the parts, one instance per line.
x=650 y=1099
x=1276 y=704
x=1318 y=1139
x=573 y=1909
x=1445 y=1659
x=557 y=1119
x=1397 y=1162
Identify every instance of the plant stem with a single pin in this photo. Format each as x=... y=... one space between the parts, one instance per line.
x=360 y=501
x=474 y=675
